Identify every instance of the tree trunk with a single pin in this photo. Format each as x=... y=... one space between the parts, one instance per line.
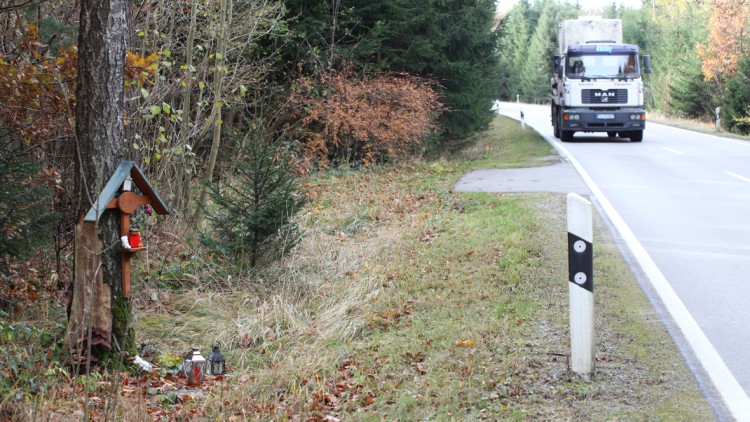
x=185 y=167
x=100 y=147
x=219 y=75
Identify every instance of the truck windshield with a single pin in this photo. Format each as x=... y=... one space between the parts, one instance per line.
x=612 y=66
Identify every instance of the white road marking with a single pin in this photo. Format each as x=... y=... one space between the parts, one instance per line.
x=737 y=176
x=674 y=151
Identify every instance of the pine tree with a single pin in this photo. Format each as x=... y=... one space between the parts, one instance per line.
x=23 y=228
x=514 y=38
x=470 y=70
x=690 y=94
x=537 y=69
x=255 y=210
x=736 y=99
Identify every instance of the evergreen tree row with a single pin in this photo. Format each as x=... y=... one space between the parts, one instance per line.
x=527 y=43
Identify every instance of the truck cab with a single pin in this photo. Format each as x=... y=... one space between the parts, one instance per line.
x=597 y=86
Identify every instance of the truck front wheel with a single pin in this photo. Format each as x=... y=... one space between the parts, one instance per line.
x=555 y=121
x=636 y=136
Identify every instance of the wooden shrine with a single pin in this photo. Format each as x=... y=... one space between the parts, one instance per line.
x=119 y=195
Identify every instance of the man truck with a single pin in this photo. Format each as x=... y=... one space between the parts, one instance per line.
x=597 y=85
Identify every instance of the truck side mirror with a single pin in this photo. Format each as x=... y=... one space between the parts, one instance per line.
x=647 y=64
x=558 y=66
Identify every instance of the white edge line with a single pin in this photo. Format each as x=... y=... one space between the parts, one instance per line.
x=735 y=398
x=726 y=385
x=737 y=176
x=674 y=151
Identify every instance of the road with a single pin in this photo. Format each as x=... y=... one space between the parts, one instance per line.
x=680 y=201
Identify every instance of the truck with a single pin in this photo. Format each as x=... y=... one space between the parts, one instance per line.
x=597 y=84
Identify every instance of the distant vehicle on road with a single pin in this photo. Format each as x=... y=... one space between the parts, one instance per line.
x=597 y=86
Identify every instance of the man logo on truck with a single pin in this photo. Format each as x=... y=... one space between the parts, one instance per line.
x=604 y=95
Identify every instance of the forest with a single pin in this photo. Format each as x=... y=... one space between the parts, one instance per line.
x=233 y=110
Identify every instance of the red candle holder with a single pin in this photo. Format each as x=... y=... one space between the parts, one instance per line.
x=134 y=238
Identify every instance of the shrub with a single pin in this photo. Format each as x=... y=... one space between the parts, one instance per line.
x=366 y=120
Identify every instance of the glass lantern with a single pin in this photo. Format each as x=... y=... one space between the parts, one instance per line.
x=127 y=184
x=194 y=366
x=216 y=362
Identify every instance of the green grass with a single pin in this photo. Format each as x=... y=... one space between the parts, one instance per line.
x=505 y=145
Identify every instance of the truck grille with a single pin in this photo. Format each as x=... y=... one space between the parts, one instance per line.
x=598 y=96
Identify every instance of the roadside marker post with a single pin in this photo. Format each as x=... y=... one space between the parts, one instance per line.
x=581 y=285
x=718 y=119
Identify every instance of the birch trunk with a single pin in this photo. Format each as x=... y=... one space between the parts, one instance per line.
x=219 y=75
x=185 y=169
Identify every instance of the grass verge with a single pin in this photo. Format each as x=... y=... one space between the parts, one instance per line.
x=409 y=301
x=701 y=126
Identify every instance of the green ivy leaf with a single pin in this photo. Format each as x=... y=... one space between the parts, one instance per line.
x=155 y=110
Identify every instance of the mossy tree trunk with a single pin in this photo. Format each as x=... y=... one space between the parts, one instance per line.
x=100 y=147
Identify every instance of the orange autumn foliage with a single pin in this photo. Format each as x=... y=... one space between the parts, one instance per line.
x=38 y=91
x=138 y=69
x=728 y=38
x=366 y=120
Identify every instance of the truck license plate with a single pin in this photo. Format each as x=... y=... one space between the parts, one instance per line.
x=605 y=116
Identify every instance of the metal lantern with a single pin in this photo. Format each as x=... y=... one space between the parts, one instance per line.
x=216 y=362
x=194 y=366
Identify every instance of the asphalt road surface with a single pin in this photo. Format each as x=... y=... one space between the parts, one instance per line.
x=679 y=202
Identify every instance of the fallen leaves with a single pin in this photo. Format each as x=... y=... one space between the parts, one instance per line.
x=416 y=359
x=466 y=343
x=429 y=235
x=387 y=318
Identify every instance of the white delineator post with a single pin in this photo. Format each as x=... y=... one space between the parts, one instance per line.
x=581 y=284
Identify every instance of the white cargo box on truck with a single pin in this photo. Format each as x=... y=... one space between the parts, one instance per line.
x=587 y=29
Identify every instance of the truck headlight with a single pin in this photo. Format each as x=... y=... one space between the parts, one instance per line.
x=637 y=117
x=571 y=117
